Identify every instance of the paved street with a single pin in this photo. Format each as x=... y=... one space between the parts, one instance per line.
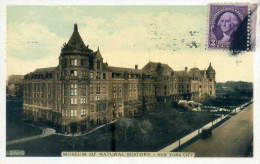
x=231 y=139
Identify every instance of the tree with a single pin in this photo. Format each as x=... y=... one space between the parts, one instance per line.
x=125 y=124
x=144 y=129
x=108 y=114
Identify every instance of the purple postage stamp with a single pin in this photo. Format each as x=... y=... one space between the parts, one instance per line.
x=231 y=27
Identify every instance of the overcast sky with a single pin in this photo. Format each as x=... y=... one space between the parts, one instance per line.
x=126 y=36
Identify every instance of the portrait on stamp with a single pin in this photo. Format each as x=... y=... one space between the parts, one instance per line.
x=227 y=24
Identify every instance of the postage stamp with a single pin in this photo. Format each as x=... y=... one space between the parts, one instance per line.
x=230 y=27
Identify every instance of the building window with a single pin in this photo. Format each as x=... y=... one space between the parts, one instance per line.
x=91 y=97
x=73 y=89
x=98 y=89
x=48 y=75
x=104 y=88
x=98 y=64
x=200 y=86
x=130 y=87
x=92 y=75
x=210 y=80
x=73 y=100
x=139 y=87
x=114 y=87
x=82 y=62
x=104 y=75
x=97 y=97
x=73 y=62
x=120 y=87
x=73 y=73
x=65 y=62
x=83 y=100
x=98 y=75
x=92 y=108
x=83 y=90
x=63 y=113
x=91 y=89
x=73 y=113
x=49 y=91
x=83 y=73
x=83 y=113
x=99 y=107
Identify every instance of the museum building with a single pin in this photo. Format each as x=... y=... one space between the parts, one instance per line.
x=83 y=91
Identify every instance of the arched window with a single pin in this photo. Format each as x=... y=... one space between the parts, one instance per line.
x=98 y=64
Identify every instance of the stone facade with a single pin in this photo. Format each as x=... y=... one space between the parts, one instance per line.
x=83 y=90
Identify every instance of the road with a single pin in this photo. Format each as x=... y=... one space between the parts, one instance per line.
x=231 y=139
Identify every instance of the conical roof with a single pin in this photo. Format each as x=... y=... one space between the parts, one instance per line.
x=76 y=41
x=210 y=69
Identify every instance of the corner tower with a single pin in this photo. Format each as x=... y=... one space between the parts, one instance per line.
x=74 y=65
x=211 y=74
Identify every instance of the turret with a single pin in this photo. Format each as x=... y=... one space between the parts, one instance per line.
x=212 y=83
x=74 y=57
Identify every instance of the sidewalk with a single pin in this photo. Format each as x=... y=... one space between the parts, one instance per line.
x=46 y=132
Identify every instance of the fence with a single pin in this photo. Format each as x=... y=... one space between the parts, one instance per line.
x=195 y=133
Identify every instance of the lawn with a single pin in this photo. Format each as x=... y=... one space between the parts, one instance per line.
x=150 y=132
x=15 y=127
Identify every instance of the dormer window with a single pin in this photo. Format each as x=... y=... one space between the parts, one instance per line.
x=98 y=64
x=73 y=62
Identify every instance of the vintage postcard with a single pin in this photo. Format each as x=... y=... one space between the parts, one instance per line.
x=147 y=81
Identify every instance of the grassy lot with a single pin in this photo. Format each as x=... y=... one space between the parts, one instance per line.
x=15 y=127
x=149 y=132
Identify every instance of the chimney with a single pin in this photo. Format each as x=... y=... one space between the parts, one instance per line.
x=136 y=66
x=75 y=27
x=186 y=69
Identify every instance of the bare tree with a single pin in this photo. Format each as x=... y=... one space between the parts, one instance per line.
x=126 y=124
x=145 y=127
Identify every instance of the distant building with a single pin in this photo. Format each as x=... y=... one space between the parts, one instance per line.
x=14 y=85
x=83 y=90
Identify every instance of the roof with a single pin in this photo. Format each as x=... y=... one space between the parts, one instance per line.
x=153 y=68
x=210 y=68
x=123 y=70
x=105 y=67
x=182 y=74
x=75 y=39
x=202 y=72
x=76 y=43
x=196 y=72
x=43 y=70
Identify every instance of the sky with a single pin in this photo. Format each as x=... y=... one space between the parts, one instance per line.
x=126 y=35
